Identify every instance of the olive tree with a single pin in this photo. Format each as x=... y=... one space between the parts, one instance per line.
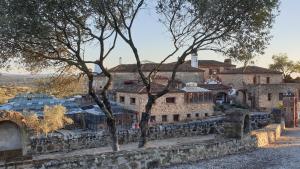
x=53 y=33
x=231 y=27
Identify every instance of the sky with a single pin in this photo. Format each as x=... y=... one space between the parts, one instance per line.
x=153 y=42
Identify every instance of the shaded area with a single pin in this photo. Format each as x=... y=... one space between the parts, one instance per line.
x=284 y=154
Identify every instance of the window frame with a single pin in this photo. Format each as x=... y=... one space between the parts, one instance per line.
x=122 y=99
x=269 y=96
x=177 y=117
x=132 y=100
x=164 y=118
x=173 y=100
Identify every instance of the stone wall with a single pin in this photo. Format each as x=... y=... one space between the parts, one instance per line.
x=146 y=158
x=240 y=80
x=260 y=94
x=120 y=77
x=68 y=142
x=268 y=134
x=180 y=107
x=159 y=156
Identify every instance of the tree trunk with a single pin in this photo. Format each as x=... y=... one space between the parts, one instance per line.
x=144 y=124
x=111 y=124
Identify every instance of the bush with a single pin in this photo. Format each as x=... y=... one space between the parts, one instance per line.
x=53 y=120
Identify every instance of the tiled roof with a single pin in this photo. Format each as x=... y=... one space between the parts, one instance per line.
x=207 y=63
x=147 y=67
x=214 y=86
x=140 y=88
x=251 y=70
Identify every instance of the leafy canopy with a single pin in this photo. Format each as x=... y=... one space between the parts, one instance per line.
x=284 y=65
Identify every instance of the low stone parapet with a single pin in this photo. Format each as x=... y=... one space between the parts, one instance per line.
x=157 y=157
x=268 y=134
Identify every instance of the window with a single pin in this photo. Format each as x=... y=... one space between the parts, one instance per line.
x=164 y=118
x=197 y=115
x=206 y=114
x=152 y=119
x=170 y=99
x=176 y=117
x=198 y=97
x=269 y=96
x=280 y=96
x=254 y=80
x=210 y=71
x=122 y=99
x=268 y=80
x=188 y=115
x=132 y=100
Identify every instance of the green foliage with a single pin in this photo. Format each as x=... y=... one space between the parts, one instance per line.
x=284 y=65
x=239 y=29
x=279 y=106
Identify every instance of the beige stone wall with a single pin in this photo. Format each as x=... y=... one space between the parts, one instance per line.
x=186 y=77
x=261 y=92
x=240 y=80
x=119 y=78
x=162 y=108
x=206 y=69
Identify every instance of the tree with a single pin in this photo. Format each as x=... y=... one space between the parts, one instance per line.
x=194 y=25
x=284 y=65
x=225 y=26
x=53 y=33
x=62 y=85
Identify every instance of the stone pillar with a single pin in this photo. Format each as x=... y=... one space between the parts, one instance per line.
x=236 y=123
x=290 y=110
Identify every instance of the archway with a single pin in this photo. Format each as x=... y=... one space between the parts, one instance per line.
x=10 y=140
x=242 y=96
x=14 y=135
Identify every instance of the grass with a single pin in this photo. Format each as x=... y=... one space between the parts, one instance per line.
x=7 y=92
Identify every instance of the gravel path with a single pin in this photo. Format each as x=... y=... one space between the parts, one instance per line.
x=284 y=154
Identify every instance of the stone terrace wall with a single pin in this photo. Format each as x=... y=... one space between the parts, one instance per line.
x=147 y=158
x=159 y=156
x=66 y=143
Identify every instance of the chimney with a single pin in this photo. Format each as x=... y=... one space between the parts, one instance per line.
x=228 y=61
x=194 y=59
x=120 y=60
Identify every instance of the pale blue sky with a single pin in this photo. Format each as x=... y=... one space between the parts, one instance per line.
x=153 y=41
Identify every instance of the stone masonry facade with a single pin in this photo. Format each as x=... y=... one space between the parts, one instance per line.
x=185 y=111
x=66 y=143
x=159 y=156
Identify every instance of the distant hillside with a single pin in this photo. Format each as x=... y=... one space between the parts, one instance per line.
x=19 y=80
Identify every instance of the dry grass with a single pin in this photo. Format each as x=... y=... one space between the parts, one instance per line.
x=7 y=92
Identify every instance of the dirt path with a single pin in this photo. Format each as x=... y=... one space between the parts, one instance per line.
x=284 y=154
x=131 y=146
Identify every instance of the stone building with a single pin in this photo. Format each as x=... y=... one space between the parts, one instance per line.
x=258 y=87
x=188 y=103
x=128 y=72
x=251 y=75
x=212 y=67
